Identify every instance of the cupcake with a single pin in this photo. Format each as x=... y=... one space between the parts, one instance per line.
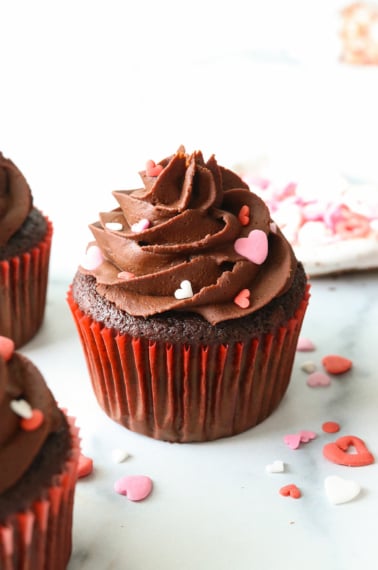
x=39 y=452
x=188 y=304
x=25 y=243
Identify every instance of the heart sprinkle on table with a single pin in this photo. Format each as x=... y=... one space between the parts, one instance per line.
x=348 y=450
x=335 y=364
x=339 y=490
x=85 y=466
x=330 y=427
x=318 y=379
x=135 y=487
x=290 y=490
x=277 y=466
x=305 y=344
x=119 y=455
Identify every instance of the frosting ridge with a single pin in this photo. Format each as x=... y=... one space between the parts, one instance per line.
x=193 y=230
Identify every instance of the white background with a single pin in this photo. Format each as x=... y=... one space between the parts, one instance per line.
x=90 y=90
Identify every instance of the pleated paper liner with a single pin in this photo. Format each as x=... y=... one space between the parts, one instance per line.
x=40 y=538
x=183 y=393
x=23 y=287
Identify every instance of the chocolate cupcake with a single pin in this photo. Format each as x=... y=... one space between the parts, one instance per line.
x=39 y=452
x=189 y=304
x=25 y=244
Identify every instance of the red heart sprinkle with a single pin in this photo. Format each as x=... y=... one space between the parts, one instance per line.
x=340 y=452
x=6 y=347
x=335 y=364
x=290 y=491
x=242 y=299
x=330 y=427
x=153 y=169
x=244 y=215
x=34 y=422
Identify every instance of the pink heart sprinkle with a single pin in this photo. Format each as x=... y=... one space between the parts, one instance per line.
x=307 y=436
x=305 y=345
x=242 y=299
x=153 y=169
x=317 y=379
x=140 y=226
x=254 y=247
x=135 y=487
x=93 y=258
x=292 y=440
x=125 y=275
x=6 y=347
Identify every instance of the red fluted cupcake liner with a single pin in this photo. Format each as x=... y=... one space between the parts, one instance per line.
x=184 y=393
x=40 y=538
x=23 y=288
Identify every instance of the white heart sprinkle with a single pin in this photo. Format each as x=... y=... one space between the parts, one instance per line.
x=273 y=227
x=119 y=455
x=93 y=258
x=22 y=408
x=308 y=366
x=114 y=226
x=276 y=467
x=140 y=226
x=185 y=291
x=339 y=490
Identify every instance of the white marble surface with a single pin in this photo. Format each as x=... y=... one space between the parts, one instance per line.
x=213 y=506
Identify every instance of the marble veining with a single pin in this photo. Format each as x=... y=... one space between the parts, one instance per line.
x=213 y=506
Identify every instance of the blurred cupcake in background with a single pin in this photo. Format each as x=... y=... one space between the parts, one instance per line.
x=39 y=453
x=25 y=244
x=359 y=33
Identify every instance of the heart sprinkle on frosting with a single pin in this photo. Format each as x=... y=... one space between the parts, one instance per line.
x=125 y=275
x=153 y=169
x=242 y=299
x=114 y=226
x=6 y=347
x=93 y=258
x=254 y=247
x=33 y=422
x=140 y=226
x=185 y=291
x=244 y=215
x=22 y=408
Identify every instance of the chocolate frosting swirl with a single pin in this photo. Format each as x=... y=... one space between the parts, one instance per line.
x=15 y=199
x=21 y=380
x=193 y=211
